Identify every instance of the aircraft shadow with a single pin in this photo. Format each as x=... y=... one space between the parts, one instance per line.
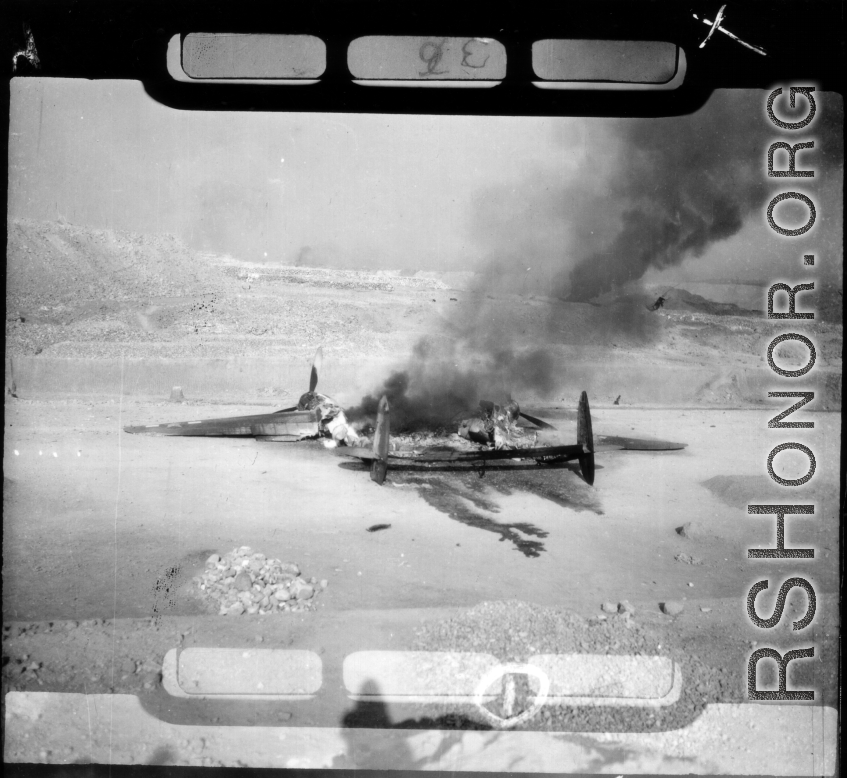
x=467 y=496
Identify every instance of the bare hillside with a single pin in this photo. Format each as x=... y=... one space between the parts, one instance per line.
x=76 y=291
x=51 y=263
x=84 y=293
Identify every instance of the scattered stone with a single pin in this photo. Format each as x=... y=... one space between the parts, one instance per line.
x=691 y=583
x=626 y=607
x=691 y=530
x=609 y=607
x=688 y=559
x=245 y=582
x=672 y=607
x=324 y=583
x=176 y=395
x=704 y=609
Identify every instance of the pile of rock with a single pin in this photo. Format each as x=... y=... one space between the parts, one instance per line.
x=246 y=582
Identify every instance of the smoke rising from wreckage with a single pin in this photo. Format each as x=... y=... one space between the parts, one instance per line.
x=493 y=434
x=664 y=191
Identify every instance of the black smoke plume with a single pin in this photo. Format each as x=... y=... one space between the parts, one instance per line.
x=680 y=185
x=637 y=194
x=647 y=193
x=444 y=381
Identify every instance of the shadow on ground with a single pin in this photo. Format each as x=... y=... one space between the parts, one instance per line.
x=467 y=494
x=374 y=715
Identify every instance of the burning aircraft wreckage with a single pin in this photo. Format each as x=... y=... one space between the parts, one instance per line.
x=494 y=433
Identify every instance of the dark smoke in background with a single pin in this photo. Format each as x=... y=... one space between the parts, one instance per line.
x=681 y=185
x=626 y=196
x=636 y=194
x=685 y=183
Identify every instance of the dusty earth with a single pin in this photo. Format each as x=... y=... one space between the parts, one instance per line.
x=104 y=532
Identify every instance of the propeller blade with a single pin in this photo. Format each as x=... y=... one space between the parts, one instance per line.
x=316 y=366
x=537 y=422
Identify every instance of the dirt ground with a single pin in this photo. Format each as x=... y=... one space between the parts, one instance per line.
x=105 y=532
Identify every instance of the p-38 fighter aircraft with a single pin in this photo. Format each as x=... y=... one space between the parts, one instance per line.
x=491 y=435
x=583 y=451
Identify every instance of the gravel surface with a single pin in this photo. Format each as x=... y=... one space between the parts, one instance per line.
x=81 y=292
x=513 y=631
x=90 y=656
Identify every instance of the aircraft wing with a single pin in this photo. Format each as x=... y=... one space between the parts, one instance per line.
x=287 y=425
x=615 y=443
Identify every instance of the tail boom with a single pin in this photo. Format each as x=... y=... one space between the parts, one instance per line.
x=379 y=466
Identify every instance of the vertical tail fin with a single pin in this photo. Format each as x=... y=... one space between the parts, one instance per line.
x=585 y=438
x=379 y=467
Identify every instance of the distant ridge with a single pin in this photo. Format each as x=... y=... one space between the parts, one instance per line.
x=50 y=263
